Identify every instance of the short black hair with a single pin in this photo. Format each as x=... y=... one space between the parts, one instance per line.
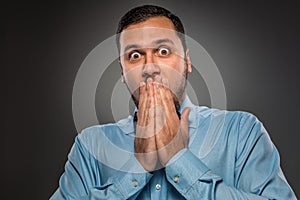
x=143 y=13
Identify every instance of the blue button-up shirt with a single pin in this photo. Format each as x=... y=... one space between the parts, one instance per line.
x=229 y=156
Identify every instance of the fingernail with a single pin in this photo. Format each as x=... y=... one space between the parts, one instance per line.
x=156 y=84
x=158 y=78
x=149 y=80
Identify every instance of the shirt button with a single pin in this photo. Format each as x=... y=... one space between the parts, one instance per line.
x=157 y=187
x=176 y=179
x=134 y=183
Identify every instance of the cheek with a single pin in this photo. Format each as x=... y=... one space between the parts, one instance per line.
x=133 y=68
x=132 y=79
x=131 y=71
x=177 y=64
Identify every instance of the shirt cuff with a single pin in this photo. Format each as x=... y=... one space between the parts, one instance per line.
x=184 y=169
x=131 y=178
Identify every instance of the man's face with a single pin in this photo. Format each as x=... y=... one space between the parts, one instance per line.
x=152 y=49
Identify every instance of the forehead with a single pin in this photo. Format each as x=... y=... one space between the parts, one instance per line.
x=146 y=32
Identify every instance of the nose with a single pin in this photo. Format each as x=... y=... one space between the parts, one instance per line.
x=150 y=68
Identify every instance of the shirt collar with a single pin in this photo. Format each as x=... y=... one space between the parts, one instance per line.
x=127 y=125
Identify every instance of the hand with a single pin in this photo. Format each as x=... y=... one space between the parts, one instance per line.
x=159 y=132
x=171 y=132
x=144 y=142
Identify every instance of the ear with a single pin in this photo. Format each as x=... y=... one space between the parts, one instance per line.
x=122 y=74
x=188 y=61
x=122 y=78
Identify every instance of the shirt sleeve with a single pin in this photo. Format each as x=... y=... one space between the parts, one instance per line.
x=257 y=172
x=81 y=179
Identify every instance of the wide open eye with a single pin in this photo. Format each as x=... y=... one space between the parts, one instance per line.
x=163 y=51
x=134 y=56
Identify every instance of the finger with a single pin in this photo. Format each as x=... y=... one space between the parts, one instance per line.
x=150 y=88
x=150 y=92
x=142 y=105
x=168 y=91
x=157 y=85
x=158 y=79
x=142 y=92
x=184 y=122
x=162 y=91
x=161 y=99
x=156 y=93
x=167 y=99
x=149 y=81
x=160 y=117
x=164 y=124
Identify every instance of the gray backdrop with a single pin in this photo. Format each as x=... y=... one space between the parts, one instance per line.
x=255 y=46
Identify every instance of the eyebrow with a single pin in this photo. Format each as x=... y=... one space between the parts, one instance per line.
x=156 y=42
x=163 y=41
x=132 y=46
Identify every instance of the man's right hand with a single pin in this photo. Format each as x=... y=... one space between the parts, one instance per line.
x=144 y=142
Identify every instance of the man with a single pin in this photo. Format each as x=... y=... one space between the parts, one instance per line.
x=170 y=148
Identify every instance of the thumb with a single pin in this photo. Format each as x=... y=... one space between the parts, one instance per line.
x=184 y=121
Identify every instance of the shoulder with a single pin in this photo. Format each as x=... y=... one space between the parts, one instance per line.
x=236 y=123
x=241 y=117
x=98 y=135
x=122 y=126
